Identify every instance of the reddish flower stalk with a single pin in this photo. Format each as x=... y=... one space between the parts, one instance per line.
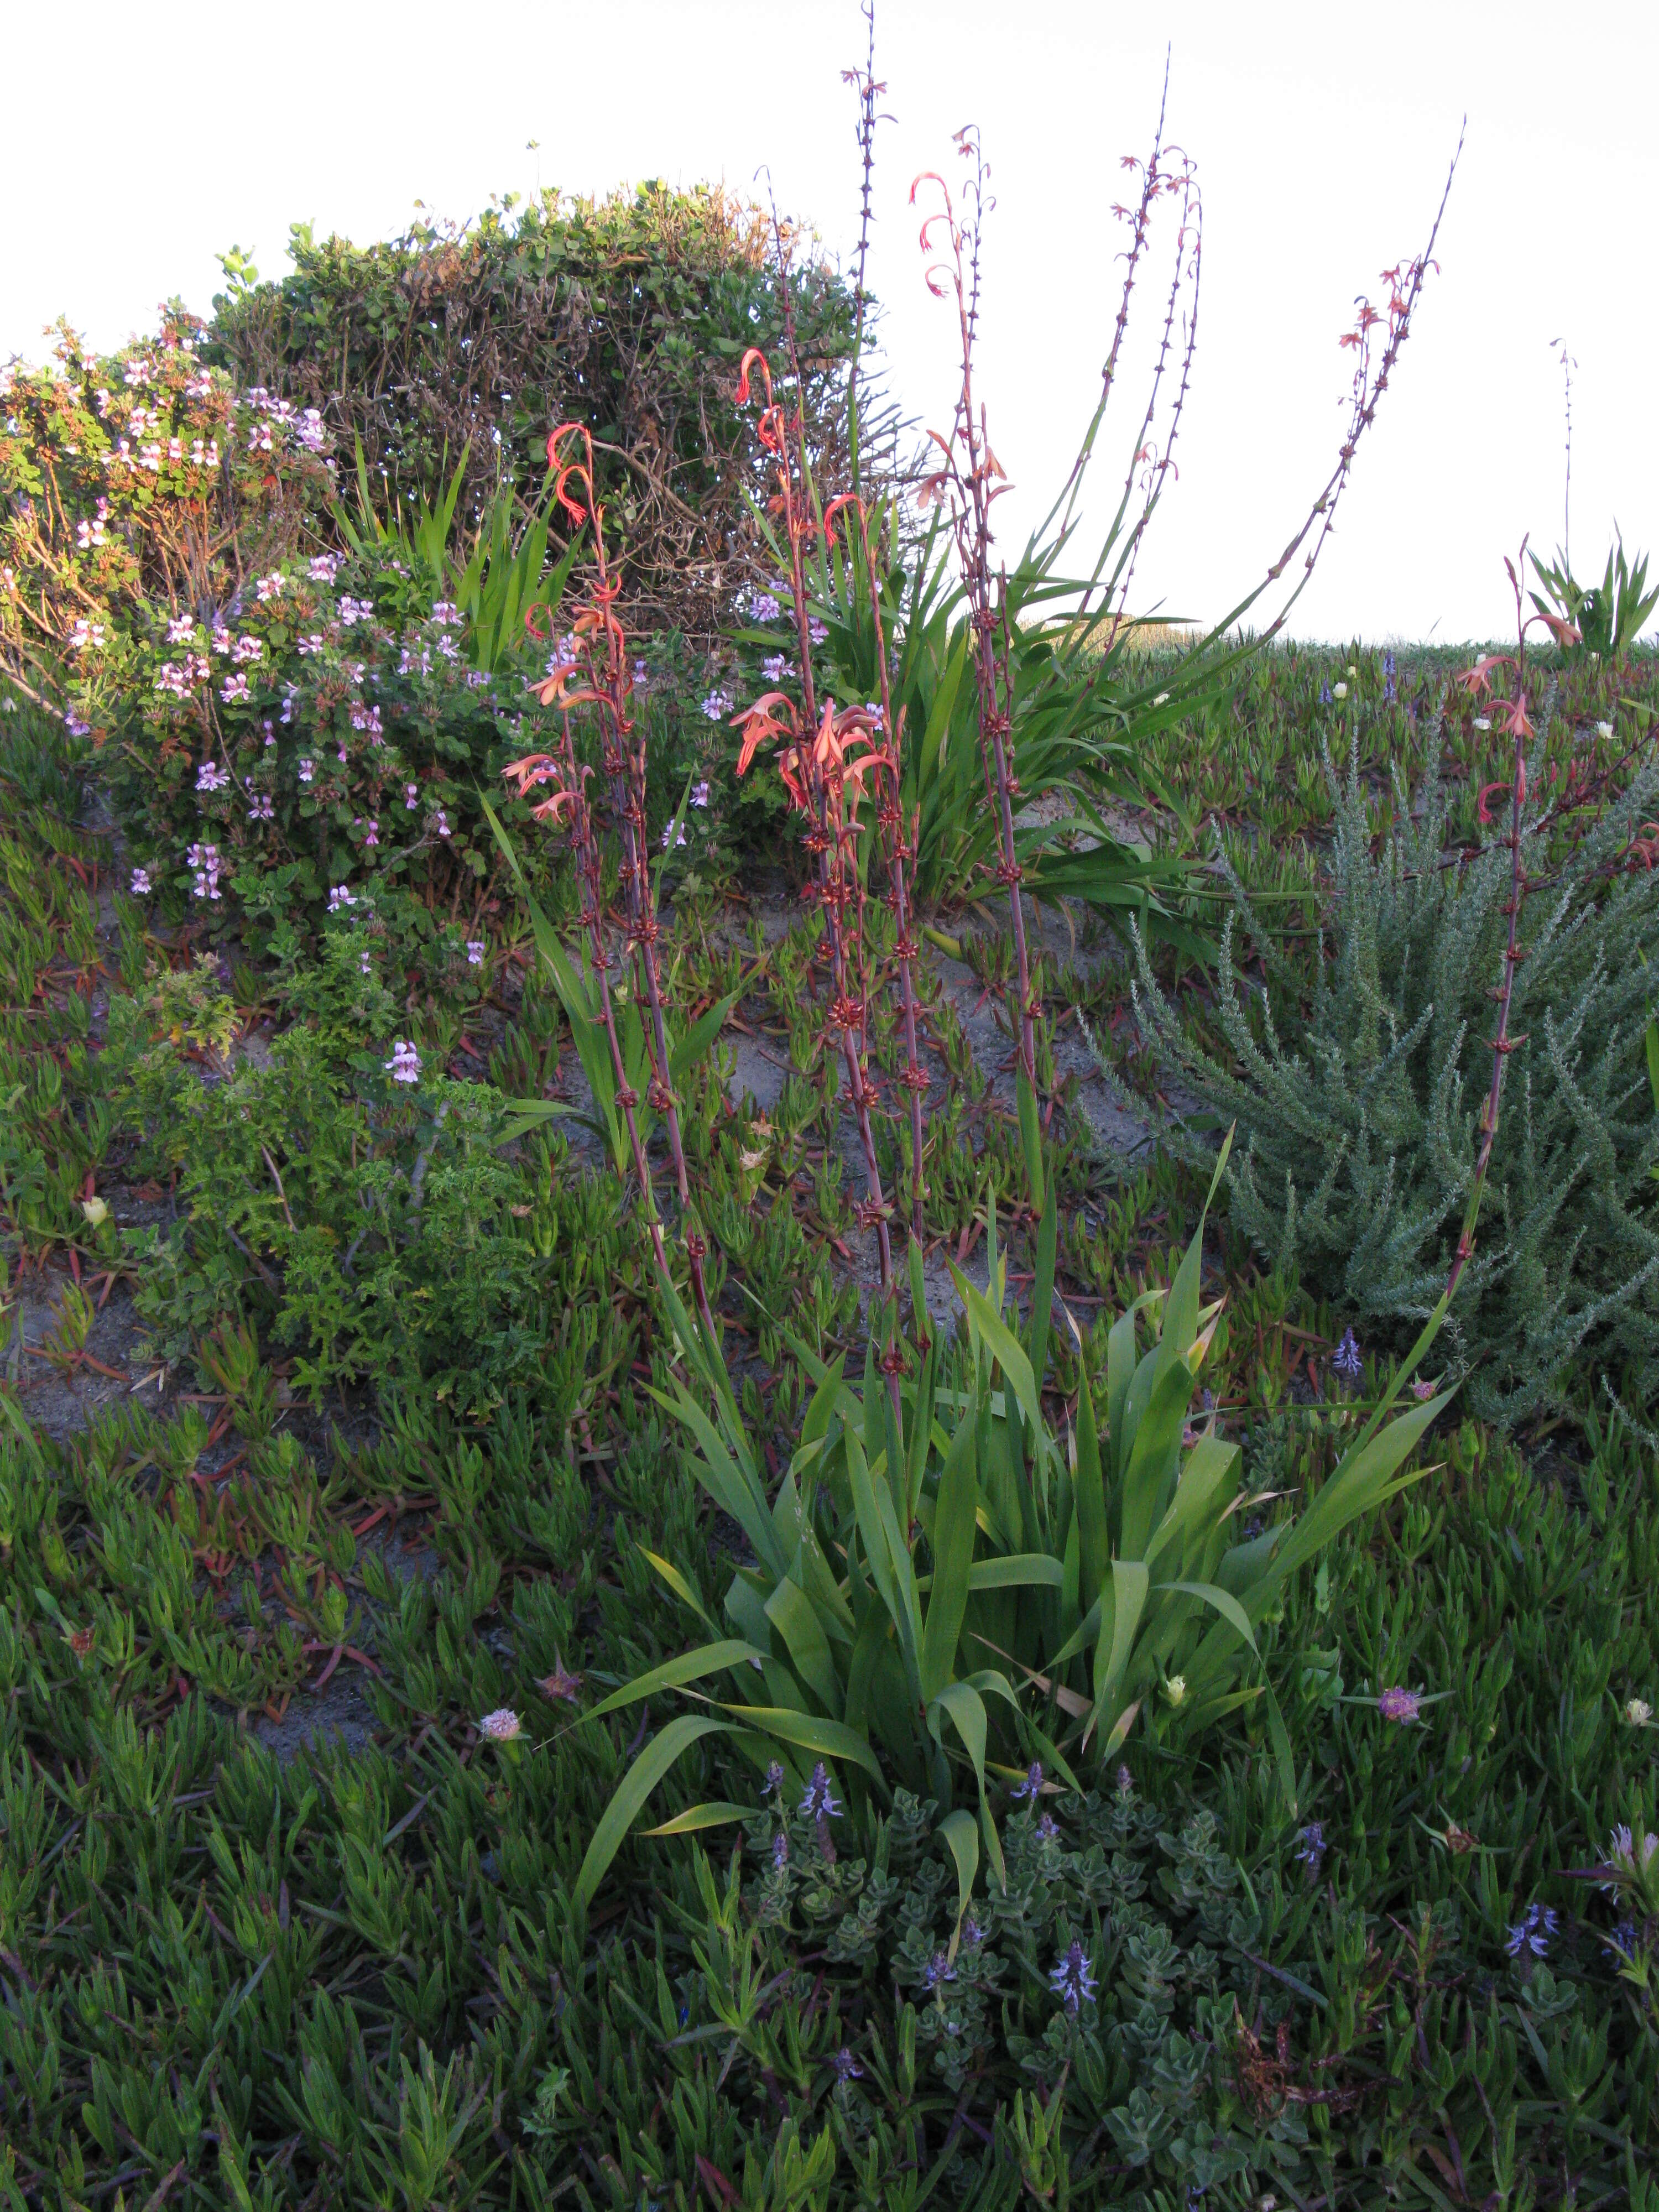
x=898 y=848
x=596 y=660
x=1514 y=717
x=966 y=477
x=825 y=755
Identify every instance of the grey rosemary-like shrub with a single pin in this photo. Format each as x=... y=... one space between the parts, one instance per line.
x=1358 y=1101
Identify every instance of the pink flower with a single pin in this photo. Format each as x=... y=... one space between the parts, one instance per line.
x=1399 y=1705
x=233 y=688
x=405 y=1067
x=502 y=1726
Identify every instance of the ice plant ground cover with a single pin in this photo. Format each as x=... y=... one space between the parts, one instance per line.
x=331 y=1460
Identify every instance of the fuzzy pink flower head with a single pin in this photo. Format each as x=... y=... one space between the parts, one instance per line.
x=502 y=1726
x=1399 y=1705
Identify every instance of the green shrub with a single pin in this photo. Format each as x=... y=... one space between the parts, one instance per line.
x=628 y=314
x=1357 y=1103
x=359 y=1207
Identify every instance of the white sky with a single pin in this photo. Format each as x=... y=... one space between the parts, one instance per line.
x=1322 y=132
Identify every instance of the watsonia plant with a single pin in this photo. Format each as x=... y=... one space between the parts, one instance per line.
x=590 y=668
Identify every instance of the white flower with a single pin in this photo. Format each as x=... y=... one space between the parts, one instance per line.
x=1175 y=1689
x=1162 y=700
x=338 y=897
x=1352 y=670
x=1338 y=690
x=1604 y=729
x=246 y=649
x=1637 y=1713
x=269 y=587
x=501 y=1726
x=405 y=1067
x=180 y=628
x=1483 y=721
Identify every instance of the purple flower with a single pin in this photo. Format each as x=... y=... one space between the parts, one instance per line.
x=1346 y=1360
x=1398 y=1705
x=205 y=858
x=846 y=2067
x=503 y=1725
x=820 y=1802
x=212 y=777
x=670 y=833
x=475 y=951
x=264 y=808
x=773 y=1782
x=1324 y=694
x=1622 y=1942
x=339 y=898
x=699 y=795
x=780 y=1852
x=412 y=797
x=938 y=1969
x=972 y=1932
x=307 y=769
x=1390 y=689
x=1032 y=1785
x=1126 y=1783
x=323 y=569
x=1312 y=1853
x=816 y=630
x=716 y=704
x=1071 y=1978
x=776 y=666
x=1047 y=1828
x=440 y=823
x=404 y=1065
x=180 y=628
x=139 y=886
x=1533 y=1933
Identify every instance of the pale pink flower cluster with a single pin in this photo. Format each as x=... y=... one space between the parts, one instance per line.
x=205 y=858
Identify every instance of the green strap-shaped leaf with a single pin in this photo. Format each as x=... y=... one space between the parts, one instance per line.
x=790 y=1612
x=807 y=1732
x=674 y=1674
x=677 y=1582
x=1017 y=1571
x=1228 y=1606
x=954 y=1525
x=962 y=1837
x=1093 y=1542
x=1154 y=1459
x=1130 y=1583
x=632 y=1791
x=713 y=1813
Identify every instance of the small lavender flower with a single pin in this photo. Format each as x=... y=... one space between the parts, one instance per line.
x=502 y=1726
x=972 y=1932
x=1324 y=694
x=1533 y=1933
x=404 y=1065
x=716 y=704
x=474 y=952
x=938 y=1970
x=673 y=833
x=339 y=898
x=845 y=2067
x=139 y=886
x=1400 y=1705
x=212 y=777
x=773 y=1782
x=816 y=630
x=412 y=797
x=307 y=769
x=1071 y=1978
x=775 y=666
x=820 y=1802
x=1032 y=1785
x=699 y=795
x=1621 y=1944
x=780 y=1852
x=264 y=808
x=1346 y=1360
x=1047 y=1828
x=440 y=823
x=1390 y=689
x=1126 y=1783
x=1312 y=1853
